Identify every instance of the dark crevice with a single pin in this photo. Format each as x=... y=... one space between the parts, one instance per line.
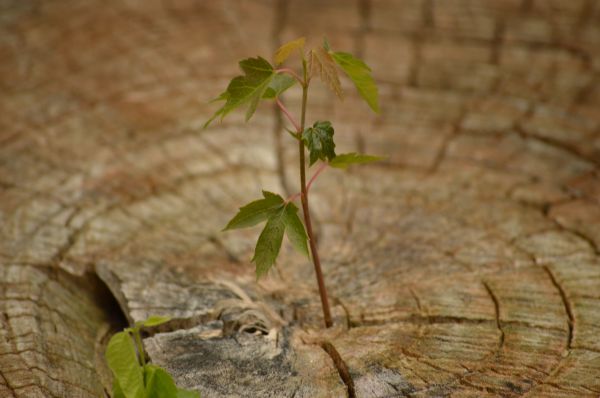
x=557 y=144
x=426 y=361
x=497 y=311
x=416 y=319
x=341 y=367
x=566 y=303
x=113 y=284
x=575 y=232
x=442 y=152
x=6 y=383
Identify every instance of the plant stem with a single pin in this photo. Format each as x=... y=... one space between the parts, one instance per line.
x=138 y=343
x=305 y=210
x=293 y=197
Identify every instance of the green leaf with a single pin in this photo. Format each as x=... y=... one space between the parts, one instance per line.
x=285 y=50
x=247 y=89
x=360 y=74
x=346 y=159
x=187 y=394
x=269 y=243
x=222 y=97
x=319 y=141
x=154 y=320
x=122 y=360
x=117 y=391
x=278 y=85
x=295 y=229
x=159 y=384
x=321 y=63
x=256 y=212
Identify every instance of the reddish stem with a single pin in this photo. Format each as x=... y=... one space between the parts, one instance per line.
x=307 y=222
x=321 y=168
x=288 y=115
x=290 y=72
x=295 y=196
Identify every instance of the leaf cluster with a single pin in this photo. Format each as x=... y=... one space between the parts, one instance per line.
x=262 y=81
x=324 y=62
x=281 y=218
x=133 y=377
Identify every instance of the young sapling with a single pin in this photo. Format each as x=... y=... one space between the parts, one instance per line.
x=134 y=377
x=262 y=82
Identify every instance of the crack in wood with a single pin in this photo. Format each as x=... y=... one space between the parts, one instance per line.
x=570 y=324
x=341 y=367
x=447 y=141
x=557 y=144
x=566 y=304
x=497 y=312
x=7 y=384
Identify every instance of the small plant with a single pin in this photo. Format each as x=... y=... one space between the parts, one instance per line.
x=133 y=376
x=261 y=81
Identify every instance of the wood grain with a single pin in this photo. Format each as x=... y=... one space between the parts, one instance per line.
x=467 y=264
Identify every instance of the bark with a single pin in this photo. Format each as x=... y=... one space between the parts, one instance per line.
x=467 y=264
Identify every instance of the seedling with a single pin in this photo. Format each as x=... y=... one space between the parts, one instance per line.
x=133 y=376
x=263 y=82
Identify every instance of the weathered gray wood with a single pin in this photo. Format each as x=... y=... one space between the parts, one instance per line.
x=465 y=265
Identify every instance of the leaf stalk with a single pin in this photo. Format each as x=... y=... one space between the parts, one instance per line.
x=291 y=72
x=289 y=116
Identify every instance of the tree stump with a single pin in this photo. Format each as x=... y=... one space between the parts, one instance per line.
x=467 y=264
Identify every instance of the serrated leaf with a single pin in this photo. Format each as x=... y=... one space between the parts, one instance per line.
x=222 y=97
x=187 y=394
x=278 y=85
x=322 y=63
x=122 y=360
x=256 y=212
x=154 y=320
x=360 y=74
x=346 y=159
x=319 y=141
x=285 y=50
x=294 y=229
x=247 y=89
x=159 y=384
x=269 y=243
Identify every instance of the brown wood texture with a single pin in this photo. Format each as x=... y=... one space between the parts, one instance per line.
x=465 y=265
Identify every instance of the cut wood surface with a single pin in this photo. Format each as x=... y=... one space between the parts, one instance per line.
x=467 y=264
